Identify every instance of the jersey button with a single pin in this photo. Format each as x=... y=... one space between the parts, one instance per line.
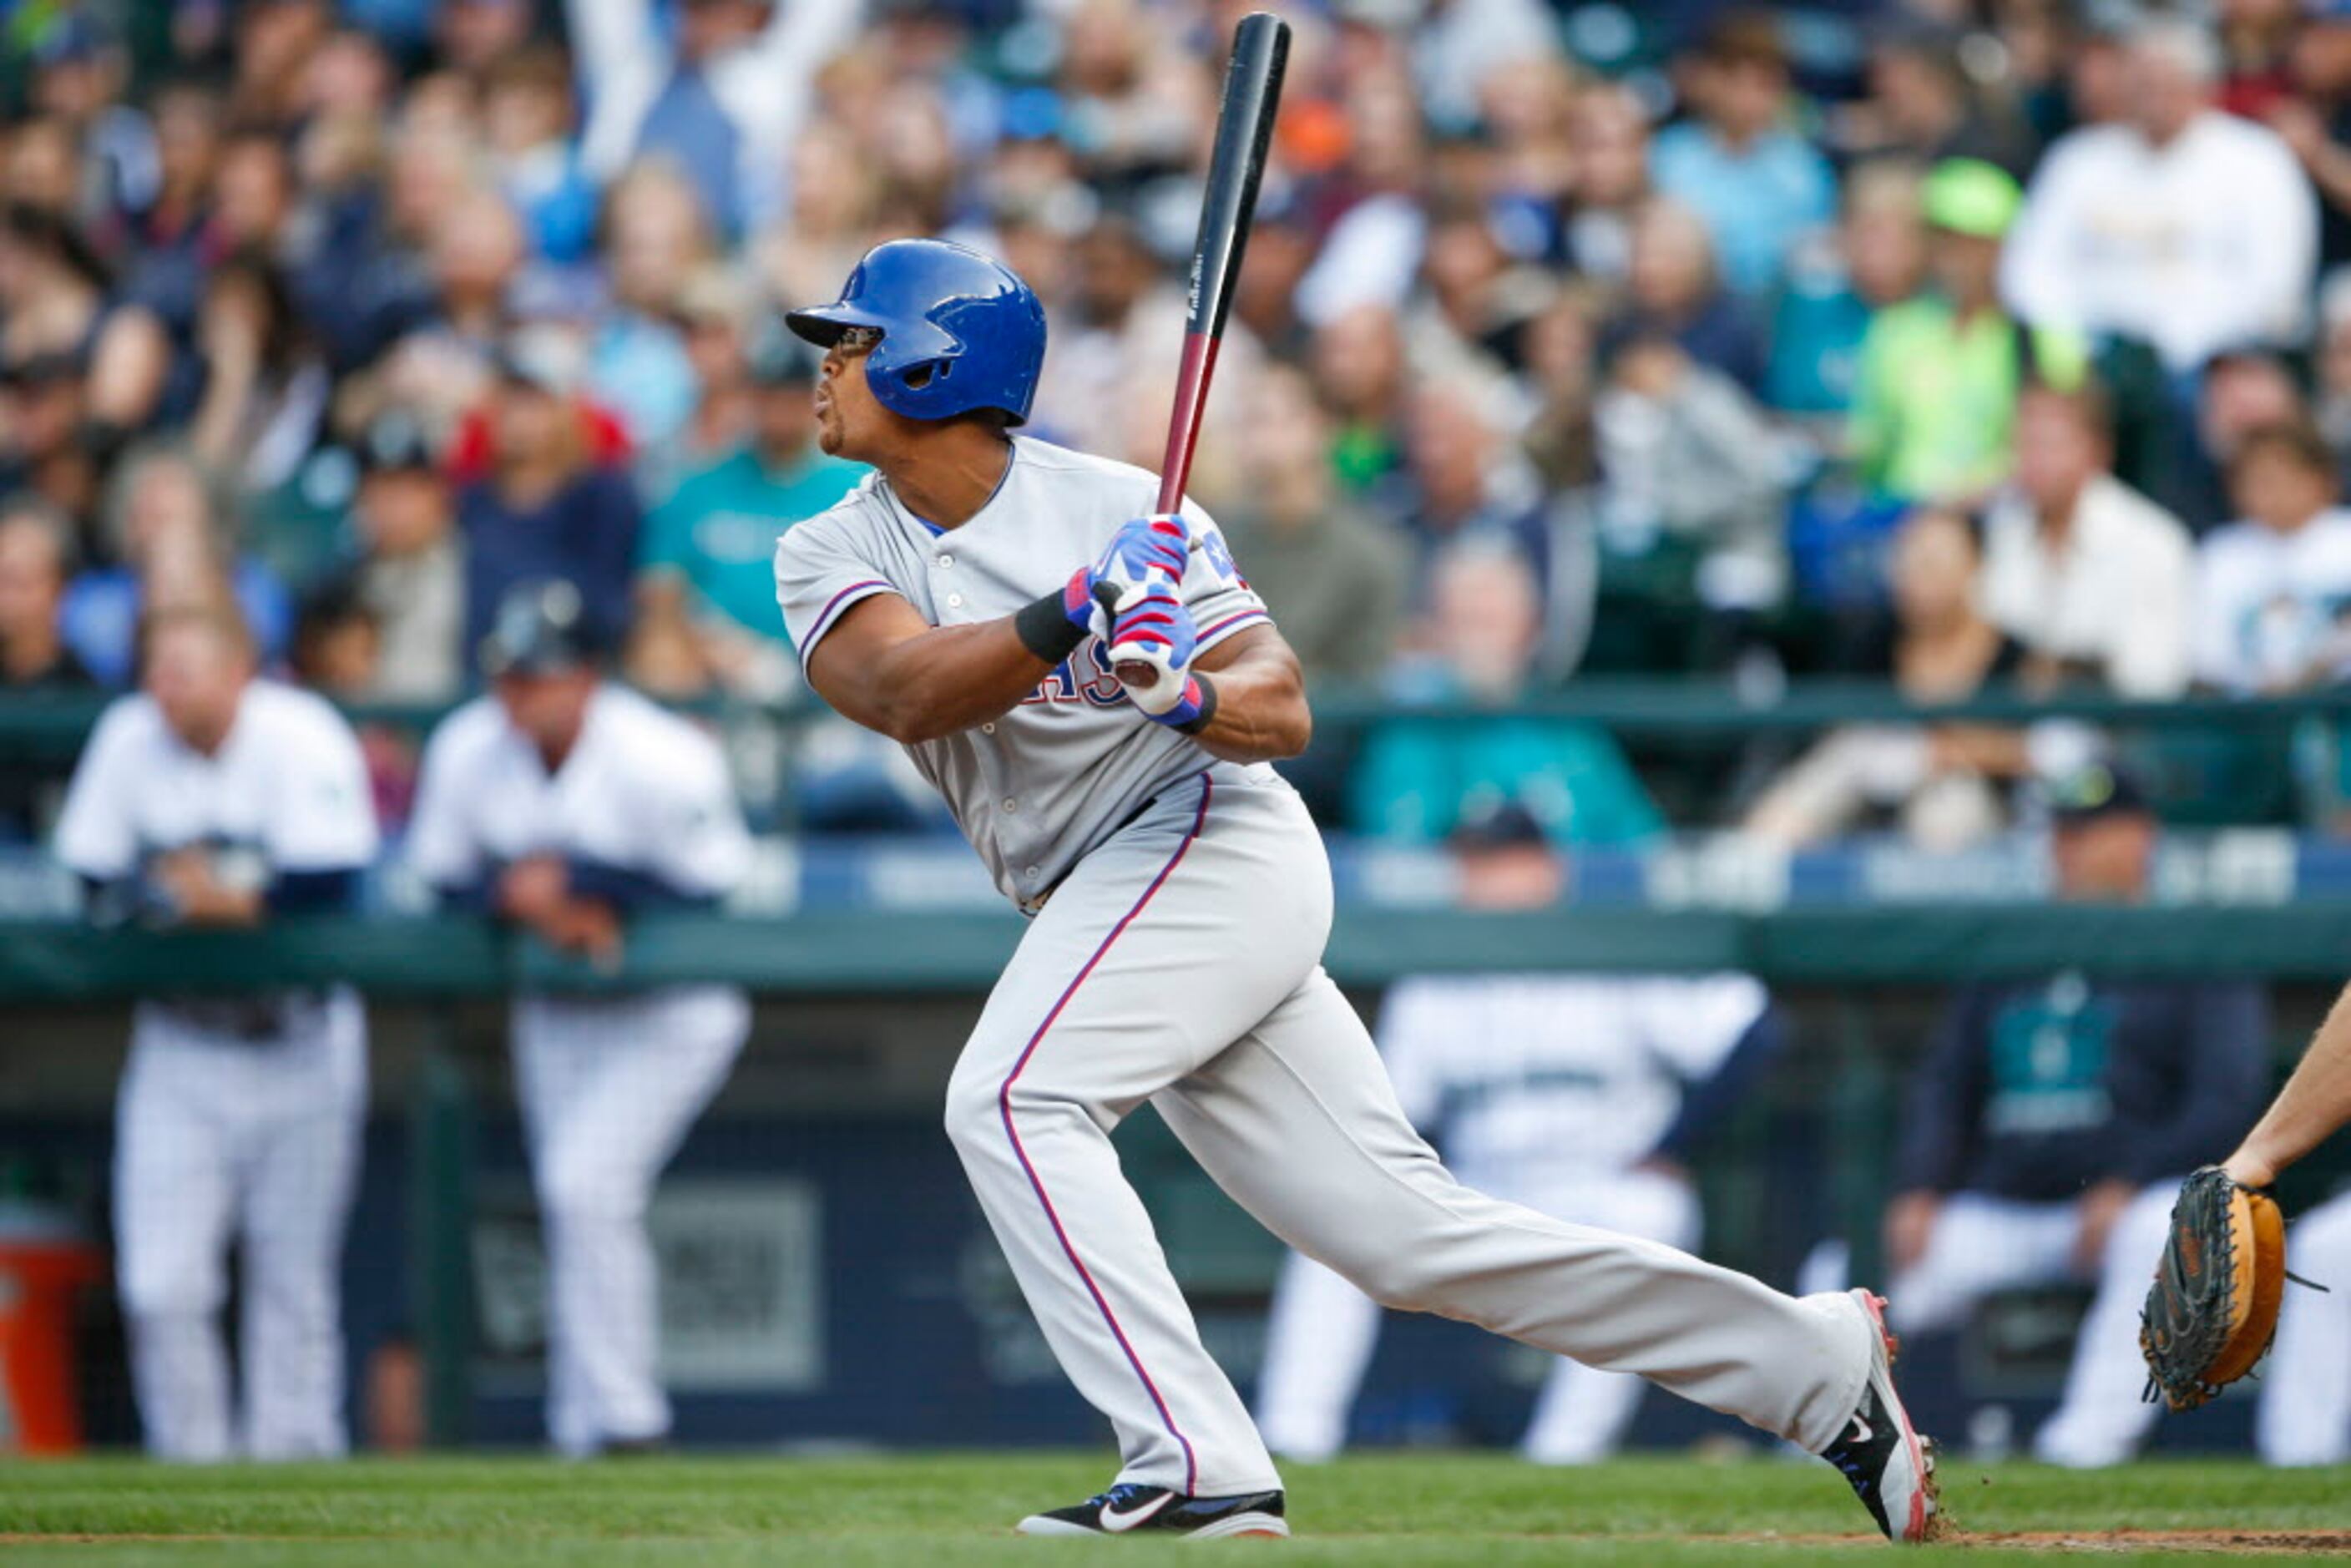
x=988 y=729
x=946 y=560
x=955 y=601
x=1010 y=804
x=1034 y=874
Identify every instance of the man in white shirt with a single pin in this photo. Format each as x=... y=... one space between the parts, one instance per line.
x=2180 y=225
x=212 y=799
x=2091 y=576
x=2272 y=589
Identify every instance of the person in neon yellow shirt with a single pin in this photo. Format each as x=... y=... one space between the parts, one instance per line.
x=1934 y=408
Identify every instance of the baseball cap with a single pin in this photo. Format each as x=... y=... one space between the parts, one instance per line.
x=542 y=628
x=2093 y=792
x=1969 y=197
x=1496 y=824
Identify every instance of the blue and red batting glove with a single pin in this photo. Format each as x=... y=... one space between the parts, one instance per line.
x=1156 y=630
x=1143 y=550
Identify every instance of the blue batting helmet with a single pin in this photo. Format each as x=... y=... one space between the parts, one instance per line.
x=959 y=330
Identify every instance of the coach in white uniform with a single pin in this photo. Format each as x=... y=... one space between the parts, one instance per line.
x=211 y=799
x=563 y=803
x=1577 y=1095
x=975 y=601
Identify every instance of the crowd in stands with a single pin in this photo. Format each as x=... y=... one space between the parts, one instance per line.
x=1956 y=343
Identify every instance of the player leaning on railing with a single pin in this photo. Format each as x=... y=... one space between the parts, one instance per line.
x=962 y=601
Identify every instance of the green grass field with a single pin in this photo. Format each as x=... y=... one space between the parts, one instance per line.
x=928 y=1511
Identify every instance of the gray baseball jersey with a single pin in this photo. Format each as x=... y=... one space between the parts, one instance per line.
x=1038 y=789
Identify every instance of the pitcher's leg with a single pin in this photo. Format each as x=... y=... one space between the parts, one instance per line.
x=1141 y=967
x=1298 y=1122
x=1318 y=1342
x=2103 y=1416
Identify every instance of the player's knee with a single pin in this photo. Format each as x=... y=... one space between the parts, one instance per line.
x=155 y=1288
x=576 y=1189
x=975 y=1116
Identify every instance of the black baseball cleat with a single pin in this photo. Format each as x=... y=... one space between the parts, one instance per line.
x=1128 y=1509
x=1890 y=1467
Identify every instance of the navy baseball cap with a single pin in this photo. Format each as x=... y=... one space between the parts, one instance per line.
x=2092 y=793
x=542 y=628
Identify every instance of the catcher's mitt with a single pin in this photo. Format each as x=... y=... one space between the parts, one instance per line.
x=2214 y=1308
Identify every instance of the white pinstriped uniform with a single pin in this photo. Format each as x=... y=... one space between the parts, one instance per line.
x=1181 y=906
x=608 y=1084
x=238 y=1117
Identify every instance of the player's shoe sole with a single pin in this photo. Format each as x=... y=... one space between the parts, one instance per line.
x=1889 y=1466
x=1130 y=1509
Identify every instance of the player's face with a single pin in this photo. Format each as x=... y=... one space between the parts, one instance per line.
x=195 y=675
x=849 y=421
x=548 y=709
x=2106 y=859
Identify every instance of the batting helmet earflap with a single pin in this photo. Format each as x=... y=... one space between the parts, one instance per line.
x=959 y=330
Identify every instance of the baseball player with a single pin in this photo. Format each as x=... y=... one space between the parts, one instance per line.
x=563 y=803
x=973 y=600
x=211 y=799
x=1569 y=1093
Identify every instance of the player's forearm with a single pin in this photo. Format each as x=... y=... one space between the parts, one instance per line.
x=949 y=680
x=1262 y=714
x=2315 y=1101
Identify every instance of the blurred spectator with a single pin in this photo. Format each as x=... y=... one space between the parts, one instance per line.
x=1464 y=479
x=1477 y=297
x=2272 y=588
x=1941 y=787
x=1417 y=778
x=546 y=510
x=1123 y=321
x=2089 y=575
x=1373 y=250
x=42 y=449
x=1940 y=374
x=1611 y=140
x=36 y=552
x=1923 y=104
x=1359 y=368
x=167 y=536
x=1672 y=291
x=1579 y=1096
x=655 y=237
x=338 y=646
x=720 y=100
x=714 y=312
x=2244 y=391
x=1836 y=292
x=528 y=120
x=410 y=573
x=1739 y=163
x=2051 y=1122
x=1334 y=577
x=1689 y=465
x=706 y=595
x=264 y=404
x=2183 y=227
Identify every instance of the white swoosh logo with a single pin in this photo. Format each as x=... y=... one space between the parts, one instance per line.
x=1116 y=1522
x=1862 y=1431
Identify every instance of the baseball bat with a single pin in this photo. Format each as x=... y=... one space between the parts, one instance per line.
x=1244 y=127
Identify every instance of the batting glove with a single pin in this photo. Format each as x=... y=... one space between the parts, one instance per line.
x=1155 y=630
